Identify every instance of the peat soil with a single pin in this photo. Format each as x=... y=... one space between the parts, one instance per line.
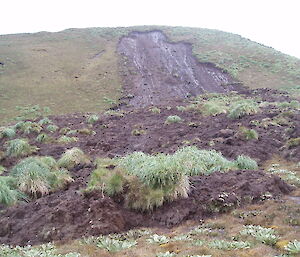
x=70 y=214
x=155 y=70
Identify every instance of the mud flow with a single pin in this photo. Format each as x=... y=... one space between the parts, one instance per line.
x=156 y=71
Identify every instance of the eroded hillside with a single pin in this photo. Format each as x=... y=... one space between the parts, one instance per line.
x=78 y=69
x=156 y=71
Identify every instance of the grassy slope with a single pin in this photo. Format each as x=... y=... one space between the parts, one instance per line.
x=75 y=69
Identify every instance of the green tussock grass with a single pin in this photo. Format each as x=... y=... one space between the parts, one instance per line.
x=151 y=180
x=19 y=147
x=7 y=132
x=173 y=119
x=38 y=176
x=73 y=157
x=9 y=195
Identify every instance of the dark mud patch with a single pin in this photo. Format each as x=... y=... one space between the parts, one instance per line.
x=156 y=71
x=69 y=214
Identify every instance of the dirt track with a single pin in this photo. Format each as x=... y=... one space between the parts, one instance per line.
x=156 y=71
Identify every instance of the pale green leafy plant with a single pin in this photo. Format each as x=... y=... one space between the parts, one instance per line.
x=114 y=245
x=229 y=245
x=158 y=239
x=91 y=119
x=166 y=254
x=261 y=234
x=293 y=247
x=47 y=250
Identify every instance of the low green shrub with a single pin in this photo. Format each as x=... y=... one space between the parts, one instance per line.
x=73 y=157
x=173 y=119
x=19 y=147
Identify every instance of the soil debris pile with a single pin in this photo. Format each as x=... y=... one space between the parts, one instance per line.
x=66 y=214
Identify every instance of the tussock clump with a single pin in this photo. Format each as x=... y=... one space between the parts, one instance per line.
x=248 y=134
x=150 y=180
x=45 y=121
x=155 y=110
x=8 y=132
x=242 y=108
x=108 y=181
x=246 y=163
x=173 y=119
x=38 y=176
x=52 y=128
x=91 y=119
x=28 y=127
x=73 y=157
x=8 y=193
x=19 y=147
x=44 y=138
x=67 y=140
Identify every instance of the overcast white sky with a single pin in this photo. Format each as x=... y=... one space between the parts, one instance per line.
x=271 y=22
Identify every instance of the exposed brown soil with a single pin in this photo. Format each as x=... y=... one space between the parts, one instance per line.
x=69 y=214
x=156 y=71
x=115 y=135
